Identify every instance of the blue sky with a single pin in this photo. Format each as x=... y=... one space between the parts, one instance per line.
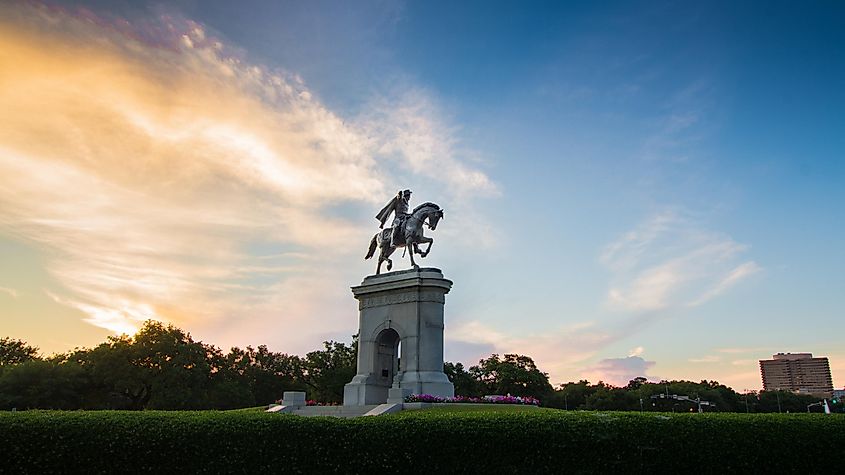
x=649 y=188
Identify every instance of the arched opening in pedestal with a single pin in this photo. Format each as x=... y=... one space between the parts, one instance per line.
x=387 y=356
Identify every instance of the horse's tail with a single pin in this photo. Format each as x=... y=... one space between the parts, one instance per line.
x=373 y=245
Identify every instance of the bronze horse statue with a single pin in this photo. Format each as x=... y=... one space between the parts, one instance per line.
x=428 y=214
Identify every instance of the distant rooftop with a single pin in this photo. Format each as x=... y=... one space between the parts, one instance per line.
x=792 y=356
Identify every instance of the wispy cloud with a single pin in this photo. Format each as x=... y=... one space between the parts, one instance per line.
x=410 y=125
x=619 y=371
x=670 y=261
x=680 y=126
x=627 y=251
x=722 y=353
x=561 y=352
x=734 y=351
x=705 y=359
x=11 y=292
x=663 y=266
x=740 y=272
x=746 y=363
x=166 y=177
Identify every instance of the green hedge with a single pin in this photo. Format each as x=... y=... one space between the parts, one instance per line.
x=541 y=440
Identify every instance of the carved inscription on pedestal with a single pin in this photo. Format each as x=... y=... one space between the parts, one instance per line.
x=404 y=297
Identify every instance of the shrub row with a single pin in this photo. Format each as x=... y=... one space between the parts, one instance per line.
x=542 y=440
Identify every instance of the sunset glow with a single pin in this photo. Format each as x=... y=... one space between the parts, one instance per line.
x=614 y=208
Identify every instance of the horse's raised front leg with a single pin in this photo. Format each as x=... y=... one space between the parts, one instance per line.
x=424 y=240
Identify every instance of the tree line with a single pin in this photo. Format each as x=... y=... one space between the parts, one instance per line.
x=163 y=367
x=519 y=376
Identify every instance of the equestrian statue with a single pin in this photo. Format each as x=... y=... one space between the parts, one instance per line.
x=406 y=230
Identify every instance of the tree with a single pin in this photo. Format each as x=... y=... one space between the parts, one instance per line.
x=513 y=374
x=572 y=395
x=465 y=383
x=636 y=383
x=161 y=367
x=784 y=401
x=326 y=371
x=262 y=374
x=16 y=352
x=40 y=384
x=271 y=374
x=115 y=380
x=177 y=367
x=608 y=398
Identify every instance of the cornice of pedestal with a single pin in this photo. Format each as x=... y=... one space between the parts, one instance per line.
x=403 y=280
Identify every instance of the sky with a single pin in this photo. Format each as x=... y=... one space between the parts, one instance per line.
x=630 y=188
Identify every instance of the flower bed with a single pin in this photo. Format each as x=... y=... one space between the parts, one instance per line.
x=312 y=402
x=526 y=400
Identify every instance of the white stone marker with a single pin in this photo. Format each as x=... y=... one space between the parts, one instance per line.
x=400 y=307
x=293 y=398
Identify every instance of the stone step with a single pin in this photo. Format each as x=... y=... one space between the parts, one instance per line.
x=382 y=409
x=334 y=411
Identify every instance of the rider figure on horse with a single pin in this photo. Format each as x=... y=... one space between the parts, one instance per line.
x=399 y=207
x=407 y=229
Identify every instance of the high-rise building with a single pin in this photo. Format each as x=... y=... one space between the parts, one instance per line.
x=798 y=372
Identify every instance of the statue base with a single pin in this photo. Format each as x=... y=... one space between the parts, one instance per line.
x=400 y=337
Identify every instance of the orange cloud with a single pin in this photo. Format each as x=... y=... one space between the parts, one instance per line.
x=163 y=177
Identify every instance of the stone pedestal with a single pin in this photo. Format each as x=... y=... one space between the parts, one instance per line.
x=293 y=398
x=400 y=332
x=398 y=395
